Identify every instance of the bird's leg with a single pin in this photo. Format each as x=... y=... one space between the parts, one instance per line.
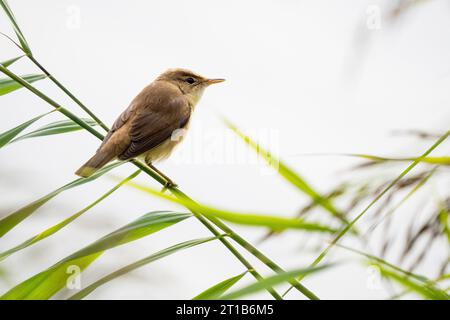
x=169 y=183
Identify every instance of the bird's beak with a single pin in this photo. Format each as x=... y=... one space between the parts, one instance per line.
x=212 y=81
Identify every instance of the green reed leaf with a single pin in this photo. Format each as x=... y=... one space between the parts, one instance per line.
x=216 y=291
x=9 y=135
x=57 y=127
x=52 y=230
x=14 y=218
x=270 y=221
x=8 y=85
x=425 y=290
x=444 y=160
x=271 y=282
x=48 y=282
x=288 y=174
x=23 y=43
x=384 y=263
x=140 y=263
x=9 y=62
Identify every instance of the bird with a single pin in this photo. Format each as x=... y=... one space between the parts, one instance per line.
x=154 y=123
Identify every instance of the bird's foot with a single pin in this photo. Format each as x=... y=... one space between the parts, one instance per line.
x=169 y=185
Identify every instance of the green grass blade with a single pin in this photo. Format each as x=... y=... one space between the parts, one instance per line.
x=9 y=135
x=270 y=221
x=156 y=256
x=271 y=282
x=52 y=230
x=9 y=62
x=145 y=225
x=216 y=291
x=288 y=174
x=424 y=290
x=14 y=218
x=57 y=127
x=8 y=85
x=444 y=160
x=385 y=263
x=23 y=42
x=48 y=282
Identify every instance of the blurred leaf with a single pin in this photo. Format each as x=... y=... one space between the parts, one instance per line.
x=289 y=174
x=392 y=210
x=8 y=85
x=444 y=160
x=270 y=221
x=7 y=136
x=271 y=282
x=48 y=282
x=57 y=127
x=9 y=62
x=23 y=42
x=219 y=289
x=425 y=290
x=385 y=263
x=443 y=218
x=13 y=219
x=52 y=230
x=156 y=256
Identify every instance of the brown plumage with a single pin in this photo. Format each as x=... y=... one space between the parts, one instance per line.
x=146 y=127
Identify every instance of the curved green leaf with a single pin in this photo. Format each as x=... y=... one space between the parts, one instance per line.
x=9 y=62
x=13 y=219
x=444 y=160
x=57 y=127
x=271 y=282
x=156 y=256
x=48 y=282
x=270 y=221
x=7 y=136
x=219 y=289
x=425 y=290
x=385 y=263
x=20 y=36
x=8 y=85
x=52 y=230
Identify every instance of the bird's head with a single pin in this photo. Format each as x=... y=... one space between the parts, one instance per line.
x=190 y=83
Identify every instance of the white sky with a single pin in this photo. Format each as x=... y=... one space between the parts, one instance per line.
x=295 y=70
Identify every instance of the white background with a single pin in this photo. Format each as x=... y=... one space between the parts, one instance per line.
x=310 y=72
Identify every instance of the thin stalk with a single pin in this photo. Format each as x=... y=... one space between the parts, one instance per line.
x=66 y=91
x=144 y=168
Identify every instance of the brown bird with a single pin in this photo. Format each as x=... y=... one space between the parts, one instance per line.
x=150 y=127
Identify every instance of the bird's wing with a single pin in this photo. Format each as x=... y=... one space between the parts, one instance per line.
x=120 y=121
x=155 y=121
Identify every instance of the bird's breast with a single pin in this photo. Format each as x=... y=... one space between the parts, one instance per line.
x=165 y=149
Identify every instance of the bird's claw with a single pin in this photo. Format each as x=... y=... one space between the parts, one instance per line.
x=169 y=185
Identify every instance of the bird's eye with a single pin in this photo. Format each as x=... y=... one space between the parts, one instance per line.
x=190 y=80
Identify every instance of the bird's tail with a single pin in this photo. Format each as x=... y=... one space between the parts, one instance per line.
x=95 y=163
